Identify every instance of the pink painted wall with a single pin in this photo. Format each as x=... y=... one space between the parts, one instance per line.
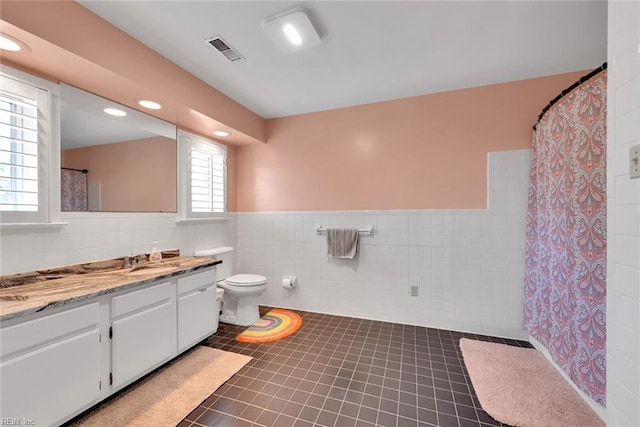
x=136 y=176
x=425 y=152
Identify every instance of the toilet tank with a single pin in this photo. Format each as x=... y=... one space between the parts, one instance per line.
x=223 y=253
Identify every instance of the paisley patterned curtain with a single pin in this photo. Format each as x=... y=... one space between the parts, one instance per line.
x=565 y=252
x=74 y=190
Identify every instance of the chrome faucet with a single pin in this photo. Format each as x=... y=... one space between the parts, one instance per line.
x=134 y=260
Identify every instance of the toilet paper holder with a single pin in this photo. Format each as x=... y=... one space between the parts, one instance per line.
x=289 y=282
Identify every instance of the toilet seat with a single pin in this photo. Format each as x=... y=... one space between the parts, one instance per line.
x=246 y=280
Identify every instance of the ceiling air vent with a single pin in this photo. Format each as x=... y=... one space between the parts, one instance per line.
x=224 y=48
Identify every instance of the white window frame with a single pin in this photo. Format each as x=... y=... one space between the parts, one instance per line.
x=187 y=142
x=48 y=95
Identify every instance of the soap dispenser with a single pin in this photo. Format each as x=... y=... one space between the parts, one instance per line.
x=155 y=255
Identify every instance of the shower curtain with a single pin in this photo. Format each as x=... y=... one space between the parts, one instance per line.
x=74 y=190
x=565 y=248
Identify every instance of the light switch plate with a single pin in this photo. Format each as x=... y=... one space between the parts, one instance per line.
x=634 y=162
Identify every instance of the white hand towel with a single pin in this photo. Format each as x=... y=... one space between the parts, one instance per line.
x=342 y=242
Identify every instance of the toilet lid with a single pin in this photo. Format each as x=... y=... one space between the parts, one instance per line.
x=246 y=280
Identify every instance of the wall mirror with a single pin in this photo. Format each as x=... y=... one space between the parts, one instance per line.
x=110 y=163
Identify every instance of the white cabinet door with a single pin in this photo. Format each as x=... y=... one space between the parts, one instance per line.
x=197 y=307
x=144 y=331
x=197 y=316
x=50 y=366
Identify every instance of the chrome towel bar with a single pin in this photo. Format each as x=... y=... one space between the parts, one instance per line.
x=368 y=230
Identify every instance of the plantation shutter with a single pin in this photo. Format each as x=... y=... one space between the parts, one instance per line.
x=22 y=144
x=207 y=178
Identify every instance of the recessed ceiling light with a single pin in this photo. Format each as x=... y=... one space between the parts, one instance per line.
x=115 y=112
x=149 y=104
x=12 y=44
x=221 y=133
x=292 y=31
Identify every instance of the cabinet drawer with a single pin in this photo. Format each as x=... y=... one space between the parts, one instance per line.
x=47 y=329
x=138 y=300
x=196 y=281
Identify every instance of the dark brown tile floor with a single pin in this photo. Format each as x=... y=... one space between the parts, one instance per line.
x=341 y=371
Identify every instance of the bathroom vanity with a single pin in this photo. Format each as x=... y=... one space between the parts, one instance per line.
x=70 y=342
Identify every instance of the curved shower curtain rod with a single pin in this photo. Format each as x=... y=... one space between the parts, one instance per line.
x=77 y=170
x=569 y=89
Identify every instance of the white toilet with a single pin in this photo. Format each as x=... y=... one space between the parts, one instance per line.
x=241 y=291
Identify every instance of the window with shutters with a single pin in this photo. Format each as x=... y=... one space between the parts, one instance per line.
x=203 y=177
x=24 y=151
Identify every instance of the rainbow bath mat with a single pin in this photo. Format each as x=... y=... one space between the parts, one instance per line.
x=274 y=325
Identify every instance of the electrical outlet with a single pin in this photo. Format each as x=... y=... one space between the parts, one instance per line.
x=413 y=291
x=634 y=162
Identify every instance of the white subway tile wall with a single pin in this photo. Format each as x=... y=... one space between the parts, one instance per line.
x=103 y=235
x=623 y=216
x=467 y=264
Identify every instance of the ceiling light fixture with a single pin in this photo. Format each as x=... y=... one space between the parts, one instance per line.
x=221 y=133
x=292 y=34
x=292 y=31
x=149 y=104
x=12 y=44
x=115 y=112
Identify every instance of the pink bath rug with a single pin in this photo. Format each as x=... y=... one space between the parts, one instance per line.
x=519 y=386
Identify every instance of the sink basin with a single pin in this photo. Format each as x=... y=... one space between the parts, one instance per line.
x=143 y=271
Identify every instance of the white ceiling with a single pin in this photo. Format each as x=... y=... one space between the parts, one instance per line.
x=371 y=50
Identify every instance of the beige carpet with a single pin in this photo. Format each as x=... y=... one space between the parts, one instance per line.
x=170 y=394
x=519 y=387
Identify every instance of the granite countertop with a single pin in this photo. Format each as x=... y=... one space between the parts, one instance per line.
x=35 y=291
